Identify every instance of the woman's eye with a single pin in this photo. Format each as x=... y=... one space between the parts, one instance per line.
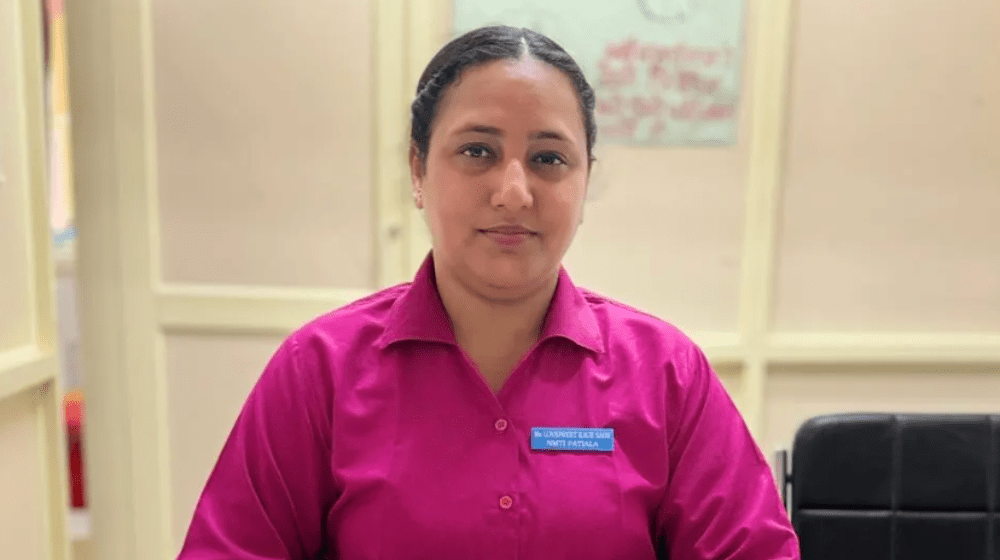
x=550 y=159
x=476 y=152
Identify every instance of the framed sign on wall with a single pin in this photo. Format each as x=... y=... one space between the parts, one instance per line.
x=665 y=72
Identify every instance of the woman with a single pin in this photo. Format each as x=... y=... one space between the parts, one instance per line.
x=490 y=409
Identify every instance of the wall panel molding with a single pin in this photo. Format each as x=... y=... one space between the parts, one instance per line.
x=245 y=310
x=24 y=368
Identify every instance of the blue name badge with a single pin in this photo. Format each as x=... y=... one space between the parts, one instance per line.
x=573 y=439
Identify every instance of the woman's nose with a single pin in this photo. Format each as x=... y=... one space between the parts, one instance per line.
x=513 y=193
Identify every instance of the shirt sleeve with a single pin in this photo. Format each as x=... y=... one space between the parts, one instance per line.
x=268 y=496
x=721 y=501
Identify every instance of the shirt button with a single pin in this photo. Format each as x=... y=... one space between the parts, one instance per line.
x=501 y=425
x=506 y=502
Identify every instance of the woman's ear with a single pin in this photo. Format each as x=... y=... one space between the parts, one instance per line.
x=417 y=176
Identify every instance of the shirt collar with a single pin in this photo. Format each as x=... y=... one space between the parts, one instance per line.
x=420 y=315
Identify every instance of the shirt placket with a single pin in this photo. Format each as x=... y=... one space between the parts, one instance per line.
x=506 y=494
x=509 y=501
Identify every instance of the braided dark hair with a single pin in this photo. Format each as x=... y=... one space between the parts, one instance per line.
x=483 y=45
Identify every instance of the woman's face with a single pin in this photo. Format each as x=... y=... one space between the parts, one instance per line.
x=505 y=177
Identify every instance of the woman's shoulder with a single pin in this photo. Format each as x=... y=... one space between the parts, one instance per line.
x=357 y=324
x=617 y=319
x=648 y=351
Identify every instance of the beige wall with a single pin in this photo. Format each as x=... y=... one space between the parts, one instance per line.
x=264 y=150
x=795 y=395
x=891 y=217
x=209 y=378
x=22 y=531
x=892 y=193
x=888 y=222
x=263 y=142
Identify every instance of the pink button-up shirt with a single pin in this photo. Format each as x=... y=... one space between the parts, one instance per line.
x=370 y=435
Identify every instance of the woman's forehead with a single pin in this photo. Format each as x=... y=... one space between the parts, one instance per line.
x=510 y=79
x=507 y=93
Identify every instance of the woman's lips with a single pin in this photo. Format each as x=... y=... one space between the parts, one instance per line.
x=508 y=236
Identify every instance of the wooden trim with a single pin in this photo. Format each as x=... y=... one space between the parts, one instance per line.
x=25 y=368
x=52 y=448
x=111 y=97
x=721 y=349
x=34 y=120
x=786 y=349
x=36 y=366
x=245 y=310
x=426 y=28
x=389 y=167
x=771 y=55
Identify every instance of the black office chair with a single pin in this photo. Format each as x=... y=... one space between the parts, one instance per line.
x=895 y=487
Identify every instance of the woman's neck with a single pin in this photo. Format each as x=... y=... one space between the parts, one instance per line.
x=495 y=332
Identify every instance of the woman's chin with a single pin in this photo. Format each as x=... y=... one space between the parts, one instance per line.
x=515 y=279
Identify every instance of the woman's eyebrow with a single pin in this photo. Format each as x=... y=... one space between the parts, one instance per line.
x=481 y=128
x=547 y=135
x=494 y=131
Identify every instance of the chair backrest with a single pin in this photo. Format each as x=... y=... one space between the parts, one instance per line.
x=897 y=487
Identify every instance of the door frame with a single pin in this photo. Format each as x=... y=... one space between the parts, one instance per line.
x=35 y=366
